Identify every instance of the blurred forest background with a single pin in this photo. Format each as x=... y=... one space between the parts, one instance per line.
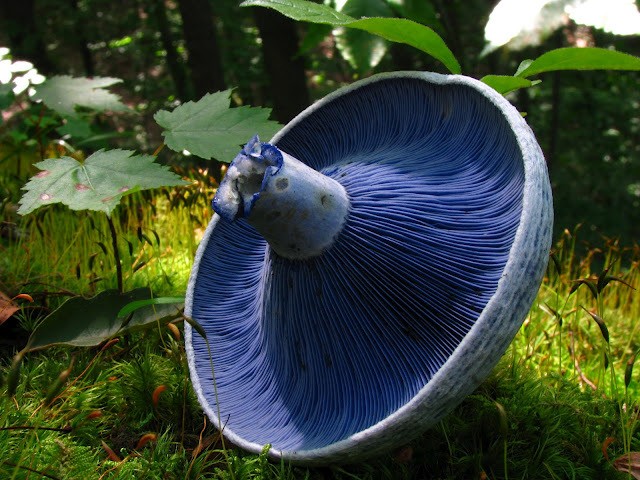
x=171 y=51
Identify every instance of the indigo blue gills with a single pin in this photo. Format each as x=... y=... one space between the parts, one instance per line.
x=359 y=347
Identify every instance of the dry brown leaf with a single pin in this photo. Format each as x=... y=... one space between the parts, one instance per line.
x=605 y=446
x=7 y=308
x=155 y=396
x=146 y=438
x=113 y=456
x=628 y=463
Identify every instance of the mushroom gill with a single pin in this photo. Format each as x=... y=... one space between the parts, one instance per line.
x=401 y=302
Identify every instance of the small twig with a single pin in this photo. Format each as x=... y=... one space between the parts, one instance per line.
x=199 y=447
x=61 y=292
x=576 y=364
x=158 y=150
x=29 y=427
x=33 y=470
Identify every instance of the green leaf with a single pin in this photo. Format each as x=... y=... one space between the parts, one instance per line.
x=401 y=30
x=138 y=304
x=600 y=322
x=97 y=184
x=316 y=32
x=64 y=93
x=6 y=96
x=628 y=371
x=198 y=328
x=554 y=312
x=152 y=314
x=84 y=322
x=574 y=58
x=398 y=30
x=302 y=11
x=523 y=66
x=556 y=262
x=209 y=128
x=87 y=322
x=13 y=376
x=361 y=49
x=504 y=84
x=420 y=11
x=76 y=128
x=590 y=285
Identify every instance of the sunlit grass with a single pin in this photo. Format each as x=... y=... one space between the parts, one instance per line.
x=561 y=336
x=65 y=252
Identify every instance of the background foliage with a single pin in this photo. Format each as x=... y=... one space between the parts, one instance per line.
x=146 y=45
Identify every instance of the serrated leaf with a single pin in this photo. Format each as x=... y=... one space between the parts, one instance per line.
x=398 y=30
x=64 y=93
x=209 y=128
x=504 y=84
x=575 y=58
x=96 y=184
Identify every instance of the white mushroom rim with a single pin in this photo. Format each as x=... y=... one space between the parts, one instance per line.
x=348 y=377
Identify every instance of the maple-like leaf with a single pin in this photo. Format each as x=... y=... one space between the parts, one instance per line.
x=209 y=128
x=98 y=183
x=64 y=93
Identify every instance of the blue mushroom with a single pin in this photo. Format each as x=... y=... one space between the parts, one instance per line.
x=367 y=267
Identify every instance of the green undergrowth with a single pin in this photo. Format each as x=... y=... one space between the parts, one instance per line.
x=562 y=403
x=59 y=252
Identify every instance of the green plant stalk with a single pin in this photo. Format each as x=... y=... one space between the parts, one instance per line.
x=215 y=395
x=116 y=252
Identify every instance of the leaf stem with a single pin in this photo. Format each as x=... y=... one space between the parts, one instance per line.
x=29 y=469
x=116 y=252
x=158 y=150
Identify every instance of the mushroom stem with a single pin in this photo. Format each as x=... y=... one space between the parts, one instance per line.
x=298 y=210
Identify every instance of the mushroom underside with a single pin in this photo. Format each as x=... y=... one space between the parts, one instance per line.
x=309 y=352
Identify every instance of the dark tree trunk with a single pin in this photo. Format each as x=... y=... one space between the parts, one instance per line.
x=285 y=70
x=81 y=40
x=176 y=68
x=554 y=121
x=17 y=19
x=201 y=40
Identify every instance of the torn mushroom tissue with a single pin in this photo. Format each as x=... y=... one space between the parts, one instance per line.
x=298 y=210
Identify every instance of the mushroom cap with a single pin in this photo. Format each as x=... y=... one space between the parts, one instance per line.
x=356 y=351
